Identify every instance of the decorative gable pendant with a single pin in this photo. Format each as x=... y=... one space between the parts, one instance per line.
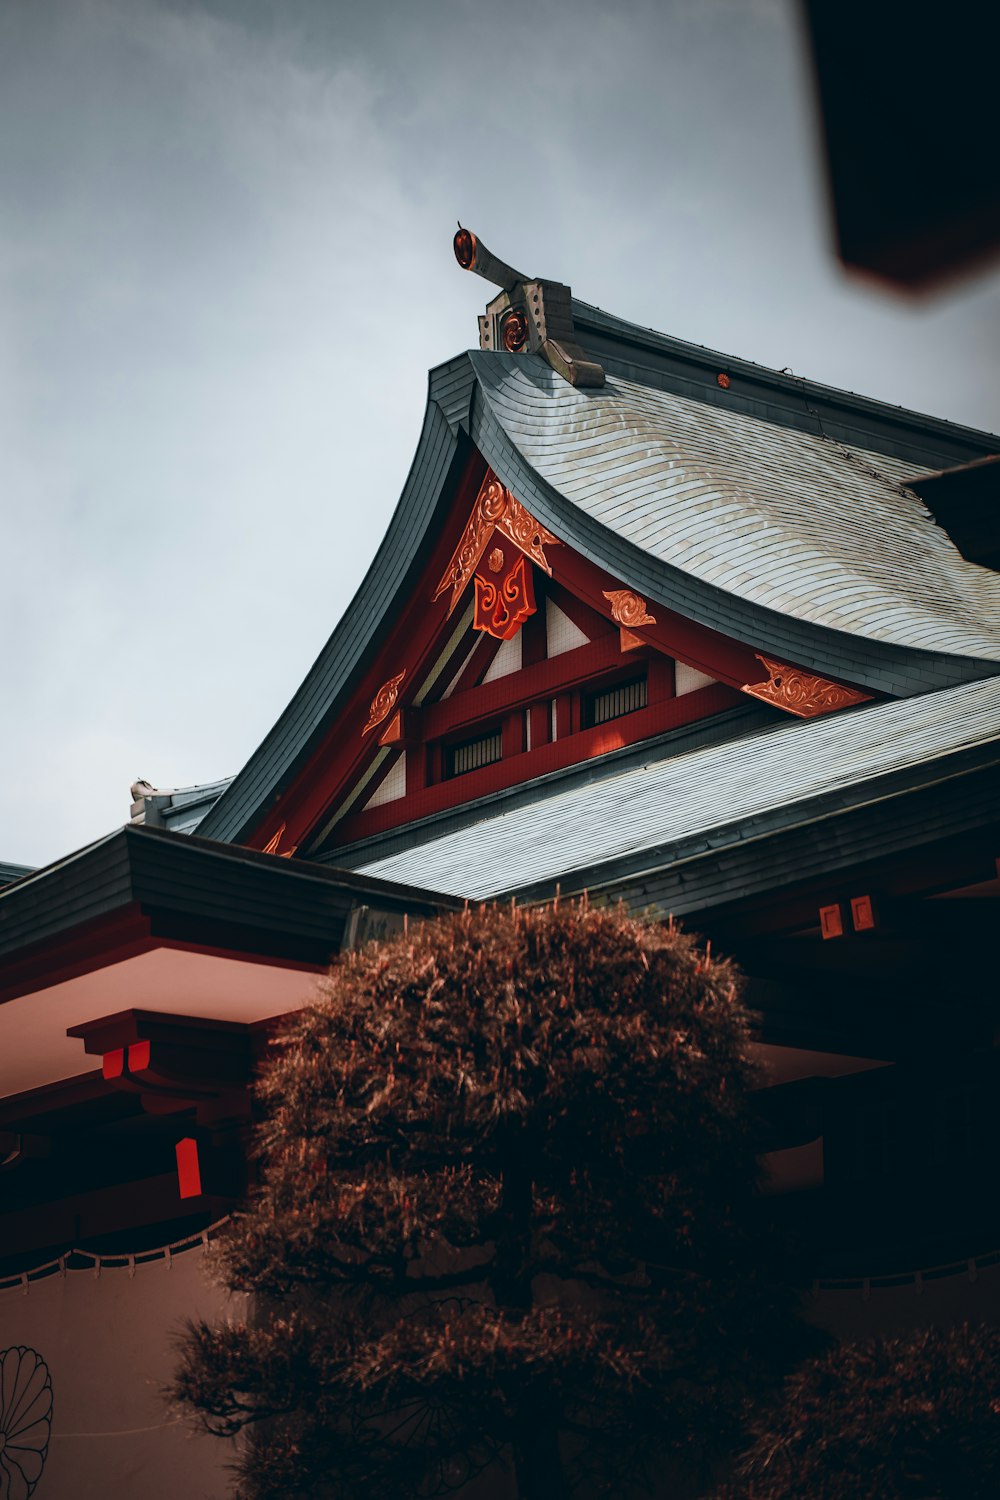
x=503 y=605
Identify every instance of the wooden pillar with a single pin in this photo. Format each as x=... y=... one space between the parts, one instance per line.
x=660 y=679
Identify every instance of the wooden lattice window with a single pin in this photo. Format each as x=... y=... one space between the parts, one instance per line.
x=616 y=701
x=471 y=755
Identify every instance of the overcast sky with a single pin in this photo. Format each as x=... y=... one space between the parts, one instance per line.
x=226 y=267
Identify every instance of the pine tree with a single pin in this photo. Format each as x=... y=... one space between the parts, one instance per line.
x=505 y=1171
x=909 y=1418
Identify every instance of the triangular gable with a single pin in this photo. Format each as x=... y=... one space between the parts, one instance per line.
x=512 y=657
x=472 y=416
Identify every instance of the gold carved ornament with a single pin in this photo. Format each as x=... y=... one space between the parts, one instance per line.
x=384 y=701
x=503 y=607
x=801 y=693
x=273 y=845
x=495 y=510
x=628 y=609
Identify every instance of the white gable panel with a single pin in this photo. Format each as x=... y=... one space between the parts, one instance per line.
x=507 y=660
x=390 y=787
x=561 y=634
x=687 y=679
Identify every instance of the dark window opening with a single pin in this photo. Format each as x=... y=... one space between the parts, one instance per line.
x=473 y=754
x=615 y=702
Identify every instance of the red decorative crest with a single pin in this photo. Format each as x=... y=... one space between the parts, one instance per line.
x=628 y=609
x=503 y=606
x=495 y=509
x=801 y=693
x=384 y=701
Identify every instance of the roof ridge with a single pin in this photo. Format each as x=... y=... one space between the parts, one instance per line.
x=597 y=320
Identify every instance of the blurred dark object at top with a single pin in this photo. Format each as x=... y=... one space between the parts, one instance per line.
x=907 y=93
x=966 y=502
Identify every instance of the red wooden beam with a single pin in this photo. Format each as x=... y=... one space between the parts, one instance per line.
x=708 y=651
x=94 y=944
x=557 y=674
x=478 y=664
x=567 y=750
x=589 y=620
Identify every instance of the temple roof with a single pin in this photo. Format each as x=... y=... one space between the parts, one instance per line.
x=710 y=798
x=181 y=809
x=765 y=507
x=790 y=521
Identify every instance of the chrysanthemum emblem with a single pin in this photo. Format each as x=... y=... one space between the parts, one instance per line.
x=25 y=1420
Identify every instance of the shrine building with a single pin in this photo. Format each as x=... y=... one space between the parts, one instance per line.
x=650 y=622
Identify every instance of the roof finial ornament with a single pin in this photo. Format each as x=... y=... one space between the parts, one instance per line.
x=472 y=255
x=529 y=316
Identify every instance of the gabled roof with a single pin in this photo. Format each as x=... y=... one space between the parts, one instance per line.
x=650 y=817
x=636 y=478
x=781 y=520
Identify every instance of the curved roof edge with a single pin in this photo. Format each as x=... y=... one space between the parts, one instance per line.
x=399 y=558
x=456 y=410
x=777 y=396
x=900 y=671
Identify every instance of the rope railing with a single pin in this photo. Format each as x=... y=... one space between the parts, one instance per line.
x=75 y=1261
x=969 y=1268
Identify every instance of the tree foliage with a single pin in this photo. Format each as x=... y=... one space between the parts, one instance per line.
x=911 y=1418
x=505 y=1167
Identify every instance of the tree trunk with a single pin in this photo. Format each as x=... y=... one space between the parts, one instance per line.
x=537 y=1461
x=511 y=1276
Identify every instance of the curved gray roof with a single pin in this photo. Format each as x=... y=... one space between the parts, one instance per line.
x=637 y=478
x=718 y=794
x=785 y=520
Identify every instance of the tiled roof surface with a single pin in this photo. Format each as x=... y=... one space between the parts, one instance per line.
x=655 y=462
x=786 y=520
x=649 y=808
x=189 y=805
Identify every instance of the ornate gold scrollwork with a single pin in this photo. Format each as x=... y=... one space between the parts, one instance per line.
x=628 y=609
x=384 y=701
x=801 y=693
x=495 y=509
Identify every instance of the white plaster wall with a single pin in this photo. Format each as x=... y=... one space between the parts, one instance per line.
x=108 y=1343
x=891 y=1311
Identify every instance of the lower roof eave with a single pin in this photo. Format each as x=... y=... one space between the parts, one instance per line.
x=814 y=842
x=141 y=886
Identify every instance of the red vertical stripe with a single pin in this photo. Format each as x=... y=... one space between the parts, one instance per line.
x=188 y=1168
x=138 y=1057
